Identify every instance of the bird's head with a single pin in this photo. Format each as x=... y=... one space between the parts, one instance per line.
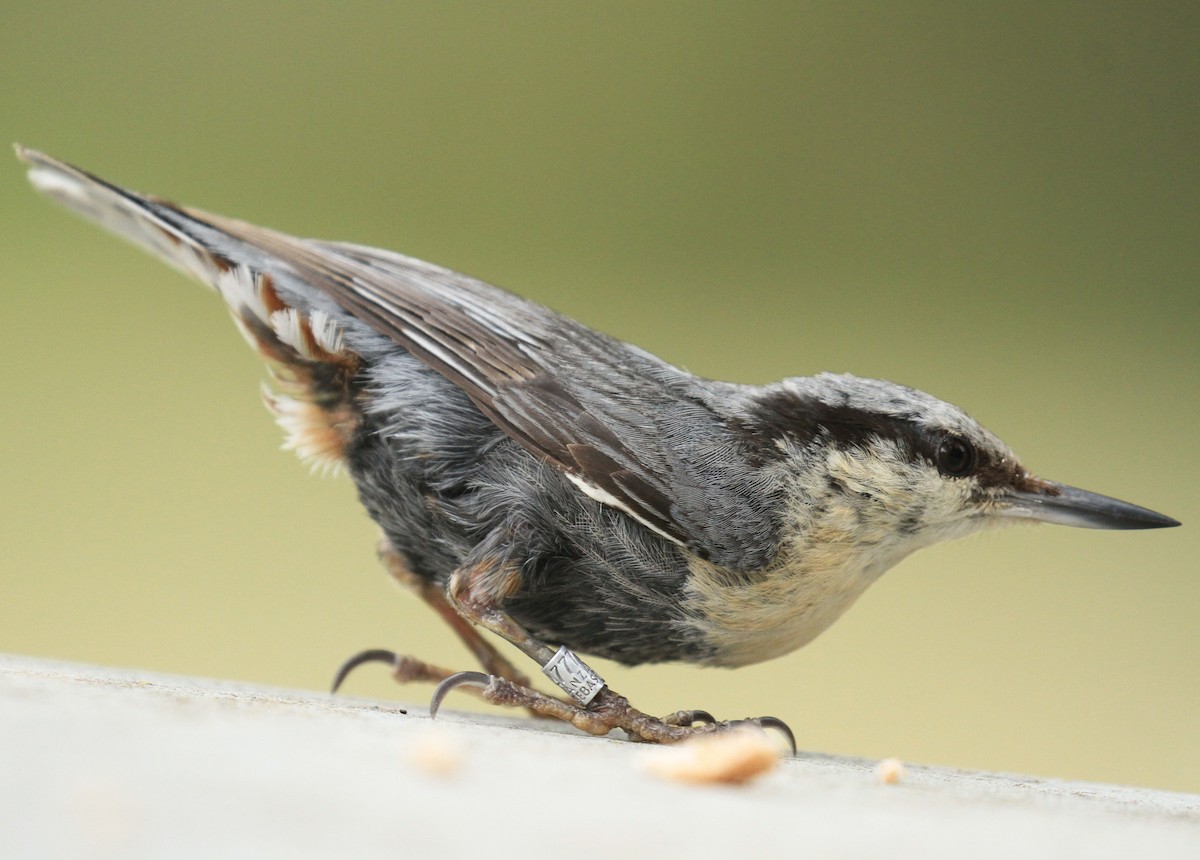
x=877 y=464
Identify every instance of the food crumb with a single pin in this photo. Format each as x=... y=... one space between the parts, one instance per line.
x=890 y=771
x=732 y=757
x=437 y=754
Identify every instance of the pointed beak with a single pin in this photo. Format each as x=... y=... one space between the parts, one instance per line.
x=1049 y=502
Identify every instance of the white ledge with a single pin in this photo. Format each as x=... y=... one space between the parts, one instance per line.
x=105 y=762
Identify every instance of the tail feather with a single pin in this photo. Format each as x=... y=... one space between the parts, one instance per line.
x=132 y=216
x=303 y=346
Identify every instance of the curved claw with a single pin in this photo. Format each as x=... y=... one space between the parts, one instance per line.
x=701 y=717
x=784 y=728
x=372 y=655
x=771 y=723
x=459 y=679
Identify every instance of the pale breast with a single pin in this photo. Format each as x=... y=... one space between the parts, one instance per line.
x=787 y=605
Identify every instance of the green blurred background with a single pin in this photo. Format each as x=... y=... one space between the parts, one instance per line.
x=995 y=202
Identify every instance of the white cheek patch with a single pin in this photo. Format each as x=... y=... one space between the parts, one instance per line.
x=856 y=514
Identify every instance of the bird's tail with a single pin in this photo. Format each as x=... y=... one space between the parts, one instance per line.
x=302 y=344
x=152 y=224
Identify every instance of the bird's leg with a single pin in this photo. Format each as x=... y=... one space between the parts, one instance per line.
x=406 y=669
x=493 y=662
x=476 y=591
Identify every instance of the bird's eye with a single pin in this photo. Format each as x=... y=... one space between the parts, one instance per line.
x=956 y=457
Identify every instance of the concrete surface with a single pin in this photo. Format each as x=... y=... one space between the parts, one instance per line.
x=97 y=762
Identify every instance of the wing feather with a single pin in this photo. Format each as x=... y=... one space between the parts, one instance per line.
x=626 y=427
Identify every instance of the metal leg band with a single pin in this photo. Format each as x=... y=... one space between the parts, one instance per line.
x=574 y=676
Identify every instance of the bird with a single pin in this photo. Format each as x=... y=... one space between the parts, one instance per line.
x=570 y=493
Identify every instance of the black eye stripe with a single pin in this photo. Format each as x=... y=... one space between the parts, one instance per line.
x=785 y=414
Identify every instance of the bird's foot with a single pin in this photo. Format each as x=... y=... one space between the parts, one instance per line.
x=405 y=669
x=607 y=711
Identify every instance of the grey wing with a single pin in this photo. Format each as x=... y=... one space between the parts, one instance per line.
x=630 y=430
x=567 y=393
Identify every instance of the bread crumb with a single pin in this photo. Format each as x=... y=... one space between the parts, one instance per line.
x=890 y=771
x=437 y=754
x=731 y=757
